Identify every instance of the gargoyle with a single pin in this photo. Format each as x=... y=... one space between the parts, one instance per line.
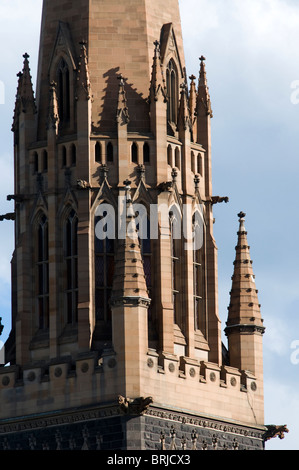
x=219 y=200
x=9 y=216
x=166 y=186
x=274 y=431
x=138 y=406
x=81 y=184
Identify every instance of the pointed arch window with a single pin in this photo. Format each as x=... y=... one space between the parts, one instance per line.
x=199 y=164
x=169 y=155
x=199 y=278
x=98 y=153
x=193 y=165
x=73 y=155
x=146 y=251
x=110 y=152
x=175 y=244
x=45 y=160
x=63 y=92
x=134 y=153
x=35 y=162
x=177 y=158
x=172 y=91
x=42 y=273
x=146 y=153
x=104 y=272
x=63 y=157
x=71 y=263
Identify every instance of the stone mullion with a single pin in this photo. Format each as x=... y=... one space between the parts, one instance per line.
x=188 y=279
x=53 y=243
x=164 y=284
x=85 y=253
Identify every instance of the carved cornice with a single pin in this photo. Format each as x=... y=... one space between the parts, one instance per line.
x=238 y=328
x=207 y=423
x=125 y=300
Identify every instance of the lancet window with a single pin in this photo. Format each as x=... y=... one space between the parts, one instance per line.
x=172 y=91
x=98 y=153
x=63 y=92
x=104 y=271
x=73 y=154
x=42 y=272
x=110 y=152
x=71 y=262
x=199 y=278
x=146 y=153
x=175 y=243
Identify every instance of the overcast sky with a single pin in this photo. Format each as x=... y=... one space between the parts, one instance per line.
x=252 y=59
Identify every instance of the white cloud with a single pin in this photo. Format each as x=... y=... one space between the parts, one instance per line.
x=282 y=408
x=250 y=47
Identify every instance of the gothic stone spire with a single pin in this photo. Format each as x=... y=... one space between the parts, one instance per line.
x=25 y=101
x=83 y=79
x=244 y=315
x=203 y=89
x=122 y=115
x=129 y=281
x=53 y=115
x=158 y=84
x=26 y=88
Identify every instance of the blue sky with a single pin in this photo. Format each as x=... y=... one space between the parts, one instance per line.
x=252 y=52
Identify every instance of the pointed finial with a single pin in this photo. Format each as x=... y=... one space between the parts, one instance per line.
x=202 y=74
x=174 y=175
x=141 y=172
x=53 y=115
x=26 y=56
x=157 y=46
x=121 y=79
x=122 y=113
x=184 y=87
x=242 y=216
x=196 y=181
x=157 y=79
x=104 y=170
x=83 y=77
x=203 y=89
x=127 y=184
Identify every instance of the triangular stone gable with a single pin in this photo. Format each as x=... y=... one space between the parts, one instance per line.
x=69 y=200
x=169 y=46
x=142 y=194
x=104 y=194
x=63 y=45
x=40 y=205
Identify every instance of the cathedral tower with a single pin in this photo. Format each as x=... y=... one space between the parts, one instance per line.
x=116 y=336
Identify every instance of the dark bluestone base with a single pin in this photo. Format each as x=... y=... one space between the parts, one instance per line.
x=109 y=428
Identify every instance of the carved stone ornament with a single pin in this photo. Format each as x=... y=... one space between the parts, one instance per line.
x=150 y=363
x=274 y=431
x=81 y=184
x=138 y=406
